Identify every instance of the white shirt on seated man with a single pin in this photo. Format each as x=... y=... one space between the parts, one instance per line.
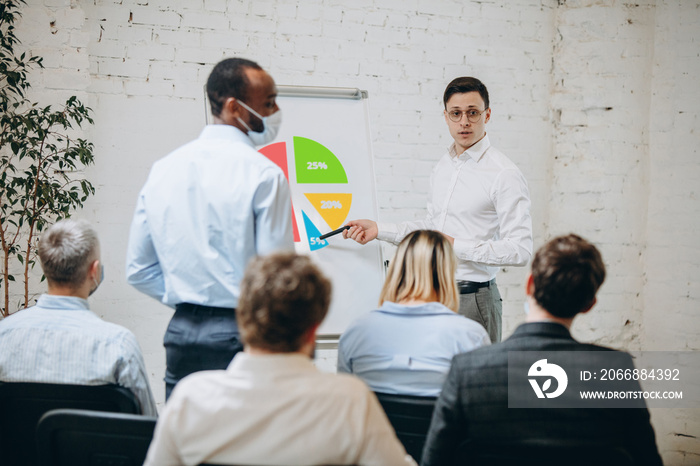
x=272 y=406
x=60 y=340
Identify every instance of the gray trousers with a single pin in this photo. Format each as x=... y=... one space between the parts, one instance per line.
x=486 y=307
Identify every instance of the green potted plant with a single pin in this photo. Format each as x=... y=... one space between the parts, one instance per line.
x=40 y=160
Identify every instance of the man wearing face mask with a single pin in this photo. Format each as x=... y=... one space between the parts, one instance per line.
x=60 y=340
x=205 y=211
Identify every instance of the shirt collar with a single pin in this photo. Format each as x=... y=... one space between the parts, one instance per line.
x=475 y=152
x=226 y=132
x=417 y=309
x=272 y=364
x=542 y=327
x=62 y=303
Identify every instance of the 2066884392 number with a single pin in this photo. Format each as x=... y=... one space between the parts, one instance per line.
x=640 y=374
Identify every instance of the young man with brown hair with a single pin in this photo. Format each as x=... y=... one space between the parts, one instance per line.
x=476 y=406
x=272 y=406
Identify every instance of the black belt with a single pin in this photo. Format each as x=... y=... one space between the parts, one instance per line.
x=467 y=287
x=201 y=309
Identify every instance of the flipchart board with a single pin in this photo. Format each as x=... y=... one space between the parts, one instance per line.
x=324 y=150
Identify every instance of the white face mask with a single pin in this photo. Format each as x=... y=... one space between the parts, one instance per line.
x=271 y=126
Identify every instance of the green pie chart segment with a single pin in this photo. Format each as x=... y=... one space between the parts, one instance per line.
x=316 y=164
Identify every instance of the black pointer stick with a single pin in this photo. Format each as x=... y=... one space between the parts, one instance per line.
x=334 y=232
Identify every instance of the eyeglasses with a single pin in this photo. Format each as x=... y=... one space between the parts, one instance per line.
x=473 y=115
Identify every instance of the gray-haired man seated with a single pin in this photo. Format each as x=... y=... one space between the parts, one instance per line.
x=272 y=406
x=60 y=340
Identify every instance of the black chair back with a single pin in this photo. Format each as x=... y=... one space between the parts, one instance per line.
x=76 y=437
x=410 y=416
x=23 y=404
x=544 y=452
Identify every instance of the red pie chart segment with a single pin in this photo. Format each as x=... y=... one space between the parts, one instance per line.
x=277 y=153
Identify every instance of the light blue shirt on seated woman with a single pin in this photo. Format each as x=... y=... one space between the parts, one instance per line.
x=407 y=349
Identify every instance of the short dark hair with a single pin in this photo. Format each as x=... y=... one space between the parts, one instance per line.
x=66 y=251
x=567 y=272
x=228 y=79
x=462 y=86
x=283 y=296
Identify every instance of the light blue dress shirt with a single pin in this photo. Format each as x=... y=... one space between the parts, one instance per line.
x=407 y=350
x=205 y=211
x=61 y=341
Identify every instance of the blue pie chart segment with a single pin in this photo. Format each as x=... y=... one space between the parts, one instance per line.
x=313 y=233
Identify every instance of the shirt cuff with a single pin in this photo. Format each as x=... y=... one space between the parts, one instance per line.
x=465 y=249
x=387 y=232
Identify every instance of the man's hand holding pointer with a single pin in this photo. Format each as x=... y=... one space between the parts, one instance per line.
x=363 y=231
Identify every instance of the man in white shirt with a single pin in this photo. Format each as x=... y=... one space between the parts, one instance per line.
x=60 y=340
x=272 y=406
x=205 y=211
x=479 y=199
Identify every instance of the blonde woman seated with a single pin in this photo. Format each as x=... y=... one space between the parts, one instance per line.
x=406 y=346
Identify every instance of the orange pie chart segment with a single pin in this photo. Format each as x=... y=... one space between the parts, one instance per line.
x=333 y=207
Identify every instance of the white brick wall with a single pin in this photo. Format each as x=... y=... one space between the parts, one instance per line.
x=671 y=260
x=596 y=101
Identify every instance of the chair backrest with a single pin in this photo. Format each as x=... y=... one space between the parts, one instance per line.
x=544 y=452
x=410 y=416
x=22 y=404
x=77 y=437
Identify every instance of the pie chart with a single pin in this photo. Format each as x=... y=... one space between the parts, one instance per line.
x=317 y=169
